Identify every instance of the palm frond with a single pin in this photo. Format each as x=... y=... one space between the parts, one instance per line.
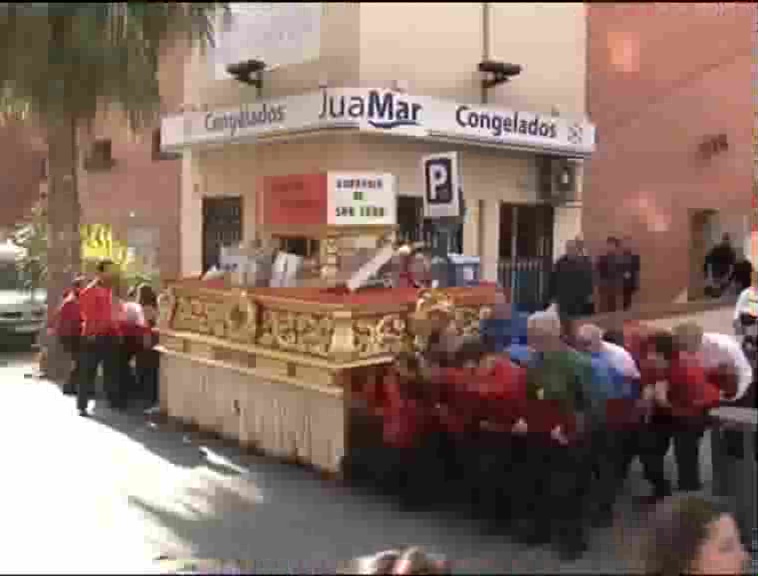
x=77 y=58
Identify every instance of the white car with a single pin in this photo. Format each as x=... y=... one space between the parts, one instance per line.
x=22 y=311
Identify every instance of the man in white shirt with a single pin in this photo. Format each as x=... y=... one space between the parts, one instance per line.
x=716 y=351
x=621 y=360
x=747 y=304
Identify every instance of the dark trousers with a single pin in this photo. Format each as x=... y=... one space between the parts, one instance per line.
x=495 y=483
x=100 y=351
x=146 y=367
x=72 y=346
x=654 y=441
x=627 y=442
x=687 y=438
x=558 y=479
x=606 y=460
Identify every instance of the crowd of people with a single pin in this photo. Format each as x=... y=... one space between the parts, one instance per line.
x=103 y=325
x=542 y=441
x=582 y=287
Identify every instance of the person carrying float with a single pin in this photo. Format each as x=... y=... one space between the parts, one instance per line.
x=412 y=402
x=556 y=474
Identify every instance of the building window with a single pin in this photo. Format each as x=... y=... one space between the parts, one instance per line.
x=44 y=170
x=100 y=156
x=158 y=154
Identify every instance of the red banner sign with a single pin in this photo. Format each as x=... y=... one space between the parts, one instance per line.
x=294 y=200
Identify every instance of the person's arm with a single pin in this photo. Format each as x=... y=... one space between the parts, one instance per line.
x=743 y=369
x=741 y=304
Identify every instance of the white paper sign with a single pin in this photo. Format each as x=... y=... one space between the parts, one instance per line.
x=442 y=185
x=361 y=199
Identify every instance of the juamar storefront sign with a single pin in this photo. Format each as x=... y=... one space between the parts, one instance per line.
x=388 y=112
x=381 y=109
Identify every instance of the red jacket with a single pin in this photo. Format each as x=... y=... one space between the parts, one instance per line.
x=690 y=392
x=67 y=320
x=96 y=304
x=405 y=420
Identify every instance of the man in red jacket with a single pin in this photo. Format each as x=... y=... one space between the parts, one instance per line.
x=691 y=395
x=99 y=339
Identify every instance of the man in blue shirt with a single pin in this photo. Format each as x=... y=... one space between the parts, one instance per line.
x=607 y=384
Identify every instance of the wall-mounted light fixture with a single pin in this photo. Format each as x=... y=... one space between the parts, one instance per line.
x=248 y=72
x=497 y=72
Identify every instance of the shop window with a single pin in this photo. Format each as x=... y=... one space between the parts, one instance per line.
x=159 y=154
x=300 y=245
x=100 y=157
x=410 y=218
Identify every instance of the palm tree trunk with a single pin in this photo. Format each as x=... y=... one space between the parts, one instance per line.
x=64 y=240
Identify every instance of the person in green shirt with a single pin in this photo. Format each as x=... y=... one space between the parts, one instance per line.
x=556 y=475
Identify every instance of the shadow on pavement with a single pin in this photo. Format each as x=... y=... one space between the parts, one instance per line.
x=285 y=519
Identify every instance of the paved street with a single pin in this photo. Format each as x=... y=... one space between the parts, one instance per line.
x=112 y=492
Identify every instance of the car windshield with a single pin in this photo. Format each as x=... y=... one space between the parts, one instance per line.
x=10 y=277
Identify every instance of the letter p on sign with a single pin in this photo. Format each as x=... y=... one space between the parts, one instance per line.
x=441 y=185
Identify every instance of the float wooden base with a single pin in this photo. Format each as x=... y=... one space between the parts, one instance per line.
x=275 y=369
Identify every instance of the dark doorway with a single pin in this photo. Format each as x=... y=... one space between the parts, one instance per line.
x=222 y=226
x=412 y=227
x=526 y=248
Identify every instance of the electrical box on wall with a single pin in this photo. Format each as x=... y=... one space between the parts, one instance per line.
x=557 y=181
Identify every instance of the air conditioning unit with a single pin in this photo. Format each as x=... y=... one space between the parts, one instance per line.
x=556 y=179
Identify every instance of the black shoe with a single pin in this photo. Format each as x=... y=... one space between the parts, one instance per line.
x=83 y=413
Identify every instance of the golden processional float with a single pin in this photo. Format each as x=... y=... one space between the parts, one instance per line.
x=273 y=348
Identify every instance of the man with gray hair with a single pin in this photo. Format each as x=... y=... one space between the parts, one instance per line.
x=558 y=382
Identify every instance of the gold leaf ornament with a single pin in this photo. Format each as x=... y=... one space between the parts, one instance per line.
x=241 y=320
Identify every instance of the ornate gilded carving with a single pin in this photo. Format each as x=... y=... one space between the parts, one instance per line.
x=194 y=314
x=296 y=332
x=374 y=336
x=468 y=319
x=241 y=317
x=166 y=308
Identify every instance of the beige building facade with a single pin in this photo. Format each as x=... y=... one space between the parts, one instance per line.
x=375 y=87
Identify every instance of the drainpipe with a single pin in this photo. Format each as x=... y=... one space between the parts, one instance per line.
x=486 y=11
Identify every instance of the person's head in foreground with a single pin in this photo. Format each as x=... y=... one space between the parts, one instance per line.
x=693 y=535
x=661 y=349
x=689 y=337
x=106 y=272
x=544 y=331
x=589 y=338
x=407 y=561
